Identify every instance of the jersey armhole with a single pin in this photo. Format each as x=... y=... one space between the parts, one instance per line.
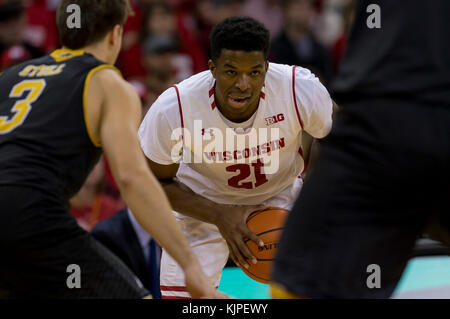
x=295 y=98
x=86 y=85
x=180 y=109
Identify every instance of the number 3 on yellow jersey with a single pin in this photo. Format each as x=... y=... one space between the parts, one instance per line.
x=22 y=107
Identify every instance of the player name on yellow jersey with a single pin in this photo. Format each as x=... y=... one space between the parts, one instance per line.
x=41 y=70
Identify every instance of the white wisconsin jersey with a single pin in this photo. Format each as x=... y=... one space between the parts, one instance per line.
x=228 y=163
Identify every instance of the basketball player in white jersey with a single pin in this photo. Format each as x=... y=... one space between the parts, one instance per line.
x=240 y=129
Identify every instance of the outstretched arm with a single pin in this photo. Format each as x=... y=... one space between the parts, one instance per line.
x=117 y=127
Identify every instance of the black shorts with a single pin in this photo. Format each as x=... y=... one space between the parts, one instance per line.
x=382 y=175
x=43 y=250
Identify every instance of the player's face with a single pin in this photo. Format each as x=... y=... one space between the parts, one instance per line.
x=239 y=79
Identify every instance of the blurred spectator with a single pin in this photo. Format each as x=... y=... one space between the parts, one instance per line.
x=130 y=60
x=226 y=8
x=91 y=205
x=203 y=13
x=162 y=33
x=29 y=27
x=166 y=58
x=269 y=12
x=327 y=24
x=41 y=30
x=133 y=25
x=165 y=52
x=207 y=13
x=13 y=23
x=189 y=43
x=12 y=56
x=338 y=48
x=52 y=4
x=160 y=56
x=123 y=235
x=296 y=45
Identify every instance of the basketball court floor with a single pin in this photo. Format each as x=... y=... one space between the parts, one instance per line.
x=427 y=276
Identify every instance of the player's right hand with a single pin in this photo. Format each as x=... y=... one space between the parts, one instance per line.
x=232 y=224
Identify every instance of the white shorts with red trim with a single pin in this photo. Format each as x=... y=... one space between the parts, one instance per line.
x=208 y=246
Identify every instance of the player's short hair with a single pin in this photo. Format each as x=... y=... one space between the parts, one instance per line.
x=239 y=33
x=98 y=17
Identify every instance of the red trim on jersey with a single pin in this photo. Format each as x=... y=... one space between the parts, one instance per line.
x=263 y=95
x=173 y=288
x=211 y=94
x=180 y=109
x=295 y=98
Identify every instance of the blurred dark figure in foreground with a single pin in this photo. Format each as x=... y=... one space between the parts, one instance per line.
x=382 y=178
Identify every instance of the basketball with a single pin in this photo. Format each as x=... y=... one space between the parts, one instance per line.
x=267 y=224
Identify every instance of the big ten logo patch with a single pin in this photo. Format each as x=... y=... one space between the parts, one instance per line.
x=274 y=119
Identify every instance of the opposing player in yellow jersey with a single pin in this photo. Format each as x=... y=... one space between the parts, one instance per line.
x=56 y=115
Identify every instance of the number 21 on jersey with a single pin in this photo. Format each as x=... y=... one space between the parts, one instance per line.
x=245 y=170
x=22 y=107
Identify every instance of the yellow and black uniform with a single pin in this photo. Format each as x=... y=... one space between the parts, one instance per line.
x=46 y=153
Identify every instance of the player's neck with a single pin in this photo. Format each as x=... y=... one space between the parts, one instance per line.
x=100 y=52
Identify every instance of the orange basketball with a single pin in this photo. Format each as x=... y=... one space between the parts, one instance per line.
x=267 y=224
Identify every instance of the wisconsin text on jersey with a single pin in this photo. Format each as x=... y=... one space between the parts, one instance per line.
x=235 y=146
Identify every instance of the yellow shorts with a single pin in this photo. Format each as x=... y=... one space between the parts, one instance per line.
x=279 y=292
